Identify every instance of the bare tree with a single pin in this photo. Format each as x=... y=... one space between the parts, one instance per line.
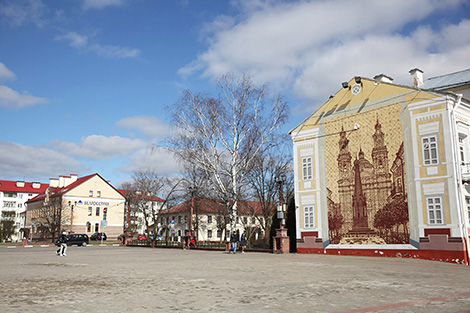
x=7 y=223
x=262 y=179
x=147 y=185
x=221 y=136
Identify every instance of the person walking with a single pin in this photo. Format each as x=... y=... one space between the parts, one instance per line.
x=63 y=244
x=243 y=242
x=233 y=240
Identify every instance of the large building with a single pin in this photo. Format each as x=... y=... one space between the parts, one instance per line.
x=380 y=169
x=84 y=205
x=13 y=196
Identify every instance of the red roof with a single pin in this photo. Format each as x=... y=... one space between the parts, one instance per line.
x=216 y=206
x=58 y=191
x=12 y=186
x=126 y=193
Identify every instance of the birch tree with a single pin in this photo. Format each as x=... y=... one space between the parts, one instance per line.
x=221 y=135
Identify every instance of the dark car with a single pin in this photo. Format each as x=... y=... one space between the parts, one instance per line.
x=78 y=239
x=159 y=237
x=98 y=236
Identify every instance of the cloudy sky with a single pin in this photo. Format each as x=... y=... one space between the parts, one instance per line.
x=84 y=84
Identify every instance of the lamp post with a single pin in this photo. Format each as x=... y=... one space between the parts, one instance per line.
x=280 y=181
x=191 y=190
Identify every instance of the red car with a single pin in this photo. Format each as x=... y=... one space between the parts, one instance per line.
x=141 y=237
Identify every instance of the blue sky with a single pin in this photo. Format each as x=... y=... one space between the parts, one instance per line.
x=84 y=84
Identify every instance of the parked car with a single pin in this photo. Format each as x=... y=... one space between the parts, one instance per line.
x=78 y=239
x=141 y=237
x=159 y=237
x=98 y=236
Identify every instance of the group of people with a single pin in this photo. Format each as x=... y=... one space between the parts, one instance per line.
x=234 y=241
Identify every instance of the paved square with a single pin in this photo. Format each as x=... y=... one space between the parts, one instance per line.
x=137 y=279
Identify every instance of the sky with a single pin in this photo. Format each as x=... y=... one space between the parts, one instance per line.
x=85 y=84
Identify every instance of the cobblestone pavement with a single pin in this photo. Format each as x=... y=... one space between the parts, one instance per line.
x=137 y=279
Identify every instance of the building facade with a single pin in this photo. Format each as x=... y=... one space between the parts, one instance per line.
x=13 y=196
x=378 y=171
x=84 y=205
x=211 y=221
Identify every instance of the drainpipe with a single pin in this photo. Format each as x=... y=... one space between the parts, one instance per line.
x=460 y=203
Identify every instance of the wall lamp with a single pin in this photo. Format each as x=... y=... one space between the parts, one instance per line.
x=357 y=79
x=345 y=85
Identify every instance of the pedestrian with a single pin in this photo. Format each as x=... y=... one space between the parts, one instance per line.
x=233 y=240
x=192 y=243
x=243 y=242
x=63 y=244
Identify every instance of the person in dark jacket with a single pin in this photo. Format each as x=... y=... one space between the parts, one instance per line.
x=243 y=242
x=233 y=240
x=63 y=244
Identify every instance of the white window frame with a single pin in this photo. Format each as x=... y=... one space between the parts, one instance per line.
x=435 y=210
x=309 y=216
x=307 y=168
x=430 y=146
x=463 y=148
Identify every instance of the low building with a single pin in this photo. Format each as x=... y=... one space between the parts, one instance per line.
x=13 y=196
x=379 y=170
x=84 y=205
x=141 y=211
x=210 y=220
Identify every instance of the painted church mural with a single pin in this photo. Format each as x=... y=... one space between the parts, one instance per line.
x=366 y=191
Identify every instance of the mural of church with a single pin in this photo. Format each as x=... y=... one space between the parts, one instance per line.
x=368 y=189
x=382 y=168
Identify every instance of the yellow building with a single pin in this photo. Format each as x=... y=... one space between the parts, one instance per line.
x=84 y=205
x=378 y=172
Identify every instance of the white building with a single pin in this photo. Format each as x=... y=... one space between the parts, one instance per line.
x=13 y=196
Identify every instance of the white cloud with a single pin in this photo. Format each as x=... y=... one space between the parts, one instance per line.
x=5 y=73
x=116 y=52
x=312 y=46
x=150 y=126
x=17 y=13
x=11 y=99
x=100 y=4
x=18 y=160
x=153 y=158
x=99 y=147
x=108 y=51
x=75 y=40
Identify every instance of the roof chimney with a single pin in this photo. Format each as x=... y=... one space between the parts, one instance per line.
x=382 y=78
x=54 y=182
x=19 y=183
x=416 y=77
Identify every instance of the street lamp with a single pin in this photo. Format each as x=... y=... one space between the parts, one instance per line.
x=280 y=212
x=191 y=190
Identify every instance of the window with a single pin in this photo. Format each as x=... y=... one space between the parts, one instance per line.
x=309 y=221
x=209 y=233
x=209 y=219
x=9 y=204
x=98 y=193
x=306 y=168
x=20 y=205
x=90 y=209
x=245 y=220
x=434 y=210
x=90 y=193
x=430 y=153
x=179 y=232
x=467 y=201
x=97 y=211
x=88 y=226
x=219 y=233
x=105 y=213
x=180 y=219
x=97 y=227
x=462 y=149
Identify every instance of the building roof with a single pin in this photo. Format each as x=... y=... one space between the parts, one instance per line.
x=215 y=206
x=447 y=81
x=126 y=193
x=58 y=191
x=24 y=187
